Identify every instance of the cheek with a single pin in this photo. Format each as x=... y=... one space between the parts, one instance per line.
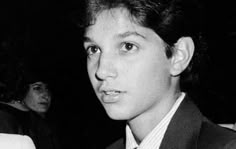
x=31 y=100
x=91 y=69
x=28 y=98
x=149 y=78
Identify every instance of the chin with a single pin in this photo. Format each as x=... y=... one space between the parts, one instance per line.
x=117 y=114
x=42 y=111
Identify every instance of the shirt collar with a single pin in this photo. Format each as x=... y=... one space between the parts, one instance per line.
x=154 y=138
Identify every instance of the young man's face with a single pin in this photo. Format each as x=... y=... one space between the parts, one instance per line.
x=127 y=65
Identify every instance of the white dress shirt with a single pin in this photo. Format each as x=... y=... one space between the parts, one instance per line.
x=154 y=138
x=15 y=141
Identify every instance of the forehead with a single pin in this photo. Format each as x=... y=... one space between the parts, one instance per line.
x=115 y=18
x=116 y=23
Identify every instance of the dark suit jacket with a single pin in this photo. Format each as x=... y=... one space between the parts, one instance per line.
x=13 y=121
x=189 y=129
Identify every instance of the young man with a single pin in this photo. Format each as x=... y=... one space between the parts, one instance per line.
x=138 y=56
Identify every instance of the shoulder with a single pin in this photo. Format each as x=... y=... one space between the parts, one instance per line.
x=119 y=144
x=214 y=136
x=8 y=123
x=6 y=114
x=7 y=111
x=9 y=120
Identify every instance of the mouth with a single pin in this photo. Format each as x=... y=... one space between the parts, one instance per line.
x=111 y=96
x=112 y=92
x=44 y=103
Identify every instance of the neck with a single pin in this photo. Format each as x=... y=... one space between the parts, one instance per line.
x=143 y=124
x=43 y=115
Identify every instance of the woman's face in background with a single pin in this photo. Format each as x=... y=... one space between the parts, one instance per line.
x=38 y=98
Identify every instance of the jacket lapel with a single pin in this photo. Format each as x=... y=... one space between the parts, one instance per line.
x=183 y=130
x=120 y=144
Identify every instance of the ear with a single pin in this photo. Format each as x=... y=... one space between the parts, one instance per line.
x=183 y=52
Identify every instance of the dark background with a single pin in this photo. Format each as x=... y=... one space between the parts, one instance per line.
x=43 y=33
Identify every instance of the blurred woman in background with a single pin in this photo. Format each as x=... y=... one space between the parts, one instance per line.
x=38 y=98
x=24 y=96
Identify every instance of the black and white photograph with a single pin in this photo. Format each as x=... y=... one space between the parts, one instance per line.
x=117 y=74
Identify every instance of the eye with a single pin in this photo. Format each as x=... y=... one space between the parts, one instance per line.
x=92 y=50
x=40 y=88
x=129 y=47
x=37 y=88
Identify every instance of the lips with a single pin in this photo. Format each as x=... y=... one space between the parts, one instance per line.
x=112 y=92
x=111 y=95
x=45 y=104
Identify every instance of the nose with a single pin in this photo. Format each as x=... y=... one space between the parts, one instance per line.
x=46 y=96
x=106 y=67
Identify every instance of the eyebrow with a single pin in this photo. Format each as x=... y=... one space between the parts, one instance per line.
x=121 y=35
x=128 y=33
x=86 y=39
